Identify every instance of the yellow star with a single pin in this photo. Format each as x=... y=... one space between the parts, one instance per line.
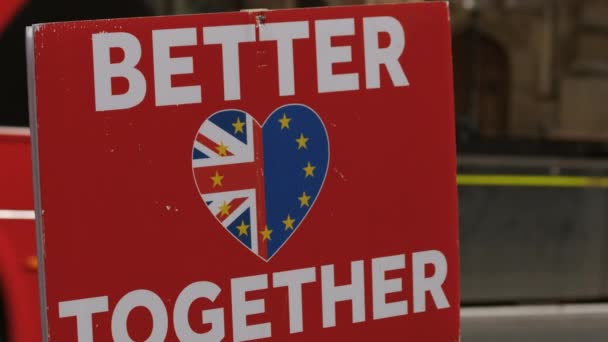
x=225 y=209
x=238 y=126
x=284 y=121
x=302 y=140
x=266 y=233
x=222 y=149
x=309 y=169
x=288 y=222
x=217 y=179
x=243 y=228
x=304 y=200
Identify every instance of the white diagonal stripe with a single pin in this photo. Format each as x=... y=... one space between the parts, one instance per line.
x=219 y=198
x=241 y=152
x=237 y=212
x=218 y=135
x=227 y=195
x=209 y=152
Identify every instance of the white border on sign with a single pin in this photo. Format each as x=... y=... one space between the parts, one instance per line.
x=31 y=92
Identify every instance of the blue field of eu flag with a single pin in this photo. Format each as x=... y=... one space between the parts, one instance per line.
x=296 y=156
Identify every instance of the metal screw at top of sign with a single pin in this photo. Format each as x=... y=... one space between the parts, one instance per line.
x=260 y=19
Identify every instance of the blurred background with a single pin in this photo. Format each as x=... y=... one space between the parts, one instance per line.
x=531 y=85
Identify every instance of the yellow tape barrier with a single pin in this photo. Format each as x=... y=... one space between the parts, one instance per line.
x=532 y=181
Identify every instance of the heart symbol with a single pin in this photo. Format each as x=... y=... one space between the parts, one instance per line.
x=260 y=182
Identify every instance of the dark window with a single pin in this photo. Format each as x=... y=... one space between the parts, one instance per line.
x=481 y=79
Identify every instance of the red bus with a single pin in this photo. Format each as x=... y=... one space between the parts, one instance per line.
x=19 y=308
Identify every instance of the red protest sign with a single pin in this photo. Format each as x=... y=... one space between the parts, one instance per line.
x=247 y=176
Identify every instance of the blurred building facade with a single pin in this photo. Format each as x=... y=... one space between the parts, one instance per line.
x=543 y=67
x=524 y=69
